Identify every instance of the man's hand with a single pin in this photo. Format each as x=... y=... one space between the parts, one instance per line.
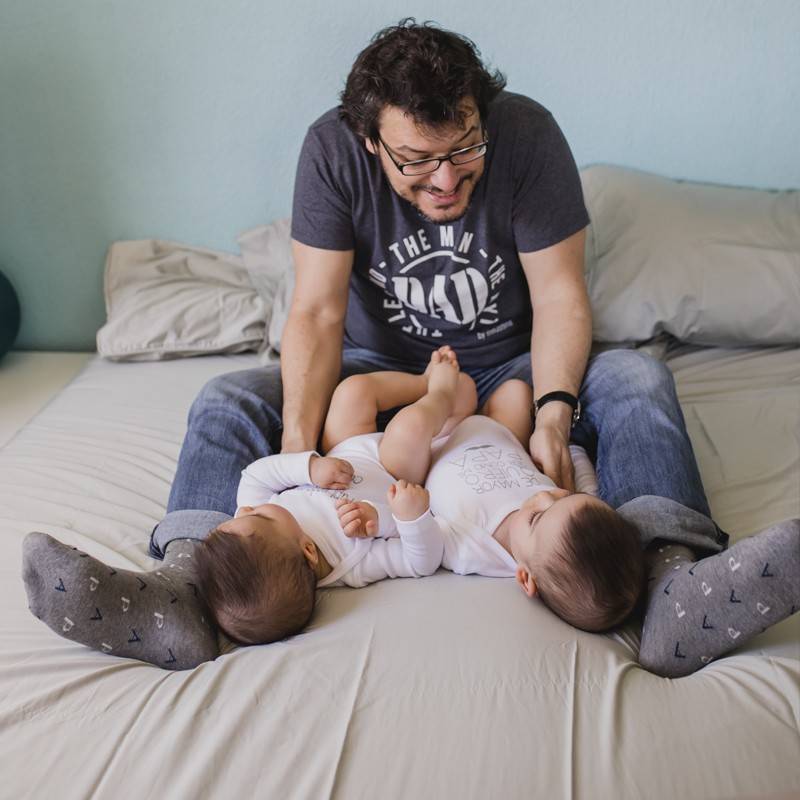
x=358 y=520
x=330 y=473
x=408 y=501
x=549 y=448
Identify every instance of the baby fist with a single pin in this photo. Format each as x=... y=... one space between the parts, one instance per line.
x=408 y=501
x=358 y=520
x=330 y=473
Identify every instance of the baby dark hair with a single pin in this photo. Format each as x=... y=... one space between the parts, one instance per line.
x=423 y=70
x=595 y=576
x=257 y=591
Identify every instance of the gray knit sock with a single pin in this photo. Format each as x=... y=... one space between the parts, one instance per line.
x=151 y=616
x=698 y=611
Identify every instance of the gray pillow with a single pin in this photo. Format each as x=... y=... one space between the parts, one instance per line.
x=708 y=264
x=167 y=300
x=267 y=255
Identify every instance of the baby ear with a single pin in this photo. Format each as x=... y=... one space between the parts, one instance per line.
x=526 y=581
x=310 y=552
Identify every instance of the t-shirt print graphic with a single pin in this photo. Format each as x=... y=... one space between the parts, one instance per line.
x=484 y=468
x=462 y=292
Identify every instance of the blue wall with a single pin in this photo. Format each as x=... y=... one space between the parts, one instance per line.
x=182 y=119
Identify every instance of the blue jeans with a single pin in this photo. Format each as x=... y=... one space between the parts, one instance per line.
x=632 y=426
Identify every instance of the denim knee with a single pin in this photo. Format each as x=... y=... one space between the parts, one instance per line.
x=243 y=389
x=636 y=371
x=217 y=392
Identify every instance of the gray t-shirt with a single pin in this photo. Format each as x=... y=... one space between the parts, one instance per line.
x=417 y=284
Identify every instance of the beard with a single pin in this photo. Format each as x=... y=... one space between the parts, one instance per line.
x=452 y=216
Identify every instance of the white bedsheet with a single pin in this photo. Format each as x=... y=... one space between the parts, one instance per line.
x=442 y=687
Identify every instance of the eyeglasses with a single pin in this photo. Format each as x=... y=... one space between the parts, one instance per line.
x=426 y=165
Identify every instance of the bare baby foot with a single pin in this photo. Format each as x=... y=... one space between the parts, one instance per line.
x=443 y=353
x=442 y=373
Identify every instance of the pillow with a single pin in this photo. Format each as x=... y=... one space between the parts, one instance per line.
x=267 y=255
x=711 y=265
x=167 y=300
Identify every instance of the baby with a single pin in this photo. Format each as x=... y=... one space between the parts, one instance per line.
x=506 y=518
x=296 y=530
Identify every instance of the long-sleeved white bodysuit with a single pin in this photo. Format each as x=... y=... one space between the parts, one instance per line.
x=478 y=476
x=401 y=550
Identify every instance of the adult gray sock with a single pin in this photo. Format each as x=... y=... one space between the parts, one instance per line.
x=153 y=616
x=698 y=611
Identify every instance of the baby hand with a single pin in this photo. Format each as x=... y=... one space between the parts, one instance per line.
x=408 y=500
x=330 y=473
x=358 y=520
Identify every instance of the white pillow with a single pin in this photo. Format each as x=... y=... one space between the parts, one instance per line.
x=267 y=255
x=707 y=264
x=167 y=300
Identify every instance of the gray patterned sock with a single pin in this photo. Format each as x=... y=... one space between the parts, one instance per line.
x=698 y=611
x=150 y=616
x=666 y=558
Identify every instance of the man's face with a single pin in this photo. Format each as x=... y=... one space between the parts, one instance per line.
x=440 y=196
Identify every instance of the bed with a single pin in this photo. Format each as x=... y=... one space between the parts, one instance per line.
x=439 y=687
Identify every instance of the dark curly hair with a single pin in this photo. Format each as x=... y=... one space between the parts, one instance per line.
x=424 y=70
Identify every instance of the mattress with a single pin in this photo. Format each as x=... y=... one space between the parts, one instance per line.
x=440 y=687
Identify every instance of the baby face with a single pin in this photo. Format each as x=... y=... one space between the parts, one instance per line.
x=537 y=527
x=268 y=521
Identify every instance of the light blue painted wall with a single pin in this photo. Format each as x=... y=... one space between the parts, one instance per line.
x=182 y=119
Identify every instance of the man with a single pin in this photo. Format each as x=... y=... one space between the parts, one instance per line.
x=430 y=250
x=432 y=207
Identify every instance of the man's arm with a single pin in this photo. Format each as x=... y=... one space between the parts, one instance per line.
x=311 y=349
x=560 y=343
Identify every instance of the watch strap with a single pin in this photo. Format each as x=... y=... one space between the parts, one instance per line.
x=564 y=397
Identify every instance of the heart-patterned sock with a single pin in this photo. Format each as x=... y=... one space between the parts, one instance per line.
x=151 y=616
x=698 y=611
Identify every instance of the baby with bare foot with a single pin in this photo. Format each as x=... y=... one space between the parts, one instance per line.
x=355 y=516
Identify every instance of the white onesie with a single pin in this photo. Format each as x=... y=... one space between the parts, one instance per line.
x=404 y=549
x=478 y=476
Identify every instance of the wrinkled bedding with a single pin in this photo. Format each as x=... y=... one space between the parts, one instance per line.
x=441 y=687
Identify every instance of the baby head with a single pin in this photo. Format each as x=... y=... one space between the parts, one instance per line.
x=257 y=575
x=580 y=557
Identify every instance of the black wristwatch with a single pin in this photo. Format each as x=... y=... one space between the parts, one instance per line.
x=564 y=397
